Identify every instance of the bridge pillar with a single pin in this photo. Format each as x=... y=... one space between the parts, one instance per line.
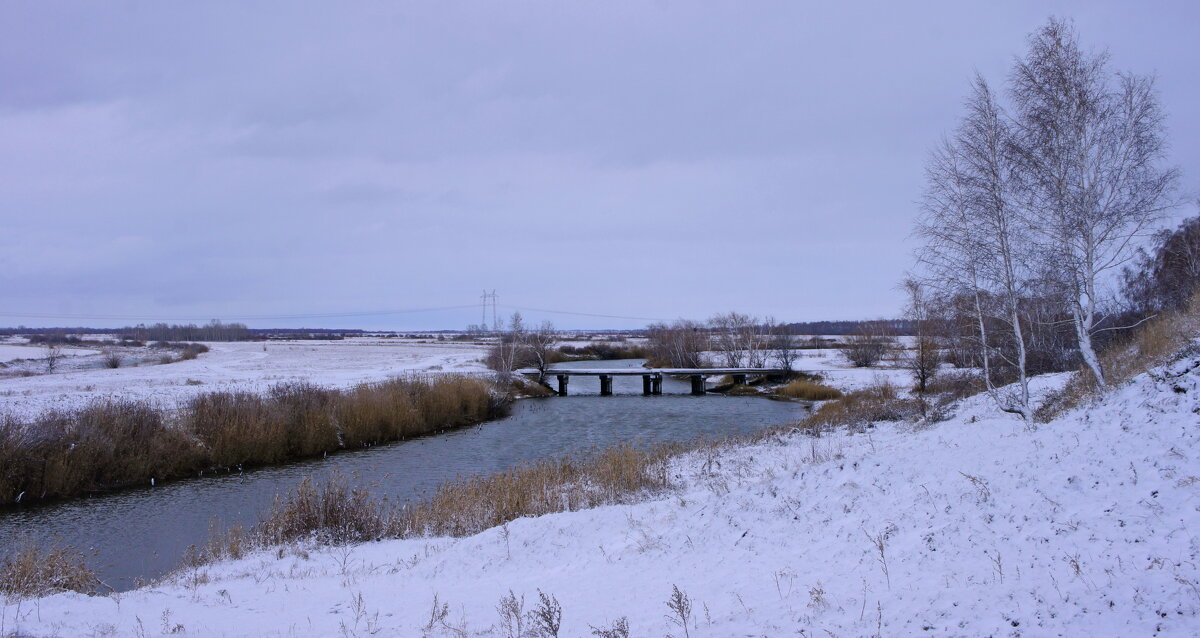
x=656 y=384
x=606 y=385
x=739 y=379
x=563 y=379
x=698 y=384
x=647 y=385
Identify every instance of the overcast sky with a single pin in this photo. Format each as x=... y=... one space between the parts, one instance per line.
x=191 y=160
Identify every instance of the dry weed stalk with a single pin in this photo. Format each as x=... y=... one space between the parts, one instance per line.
x=30 y=571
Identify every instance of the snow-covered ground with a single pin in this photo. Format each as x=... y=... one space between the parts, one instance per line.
x=11 y=352
x=252 y=366
x=255 y=366
x=1086 y=526
x=835 y=370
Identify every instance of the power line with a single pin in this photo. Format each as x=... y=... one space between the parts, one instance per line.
x=582 y=314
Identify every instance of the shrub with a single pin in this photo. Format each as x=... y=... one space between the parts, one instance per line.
x=868 y=344
x=186 y=350
x=112 y=360
x=603 y=351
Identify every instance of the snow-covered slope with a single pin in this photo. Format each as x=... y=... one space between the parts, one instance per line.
x=1086 y=526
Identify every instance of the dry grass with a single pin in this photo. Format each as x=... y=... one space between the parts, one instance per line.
x=29 y=572
x=1147 y=346
x=470 y=505
x=880 y=402
x=809 y=391
x=332 y=513
x=336 y=512
x=108 y=443
x=111 y=444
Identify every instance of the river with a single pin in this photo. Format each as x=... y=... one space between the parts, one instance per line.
x=142 y=533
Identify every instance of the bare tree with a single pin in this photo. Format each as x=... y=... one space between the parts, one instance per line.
x=976 y=245
x=739 y=340
x=537 y=346
x=54 y=355
x=1090 y=146
x=868 y=344
x=922 y=360
x=782 y=349
x=504 y=356
x=1166 y=277
x=985 y=141
x=679 y=345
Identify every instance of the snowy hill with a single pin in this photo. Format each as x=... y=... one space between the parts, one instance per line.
x=1086 y=526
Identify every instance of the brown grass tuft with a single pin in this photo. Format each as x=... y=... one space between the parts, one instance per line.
x=29 y=572
x=470 y=505
x=809 y=391
x=332 y=513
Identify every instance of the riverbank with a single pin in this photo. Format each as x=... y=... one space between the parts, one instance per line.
x=971 y=526
x=137 y=535
x=111 y=444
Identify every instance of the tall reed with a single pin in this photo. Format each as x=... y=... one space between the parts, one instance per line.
x=338 y=512
x=116 y=443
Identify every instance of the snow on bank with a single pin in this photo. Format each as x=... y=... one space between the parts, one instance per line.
x=1086 y=526
x=249 y=366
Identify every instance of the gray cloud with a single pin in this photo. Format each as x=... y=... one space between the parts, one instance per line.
x=177 y=160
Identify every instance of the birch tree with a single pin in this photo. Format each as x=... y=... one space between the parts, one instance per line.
x=976 y=244
x=1090 y=147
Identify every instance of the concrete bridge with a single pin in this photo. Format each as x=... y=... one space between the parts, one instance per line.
x=651 y=377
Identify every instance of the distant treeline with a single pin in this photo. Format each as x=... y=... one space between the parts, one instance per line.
x=212 y=331
x=897 y=327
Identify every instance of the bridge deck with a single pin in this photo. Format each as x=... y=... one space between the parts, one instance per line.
x=609 y=372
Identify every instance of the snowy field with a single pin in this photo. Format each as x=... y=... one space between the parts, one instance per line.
x=252 y=366
x=836 y=370
x=255 y=366
x=1086 y=526
x=13 y=352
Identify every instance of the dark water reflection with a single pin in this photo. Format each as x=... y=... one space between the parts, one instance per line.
x=143 y=533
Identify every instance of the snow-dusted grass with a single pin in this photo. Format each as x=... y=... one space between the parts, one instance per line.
x=243 y=367
x=974 y=526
